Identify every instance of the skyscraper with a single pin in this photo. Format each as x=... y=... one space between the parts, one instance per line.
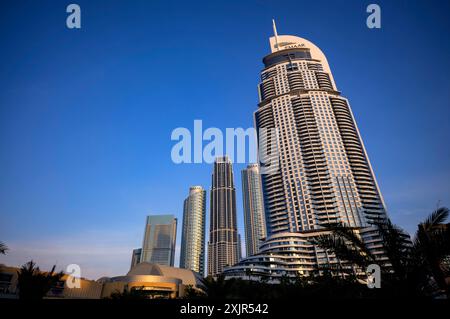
x=239 y=248
x=159 y=240
x=223 y=241
x=324 y=172
x=253 y=202
x=192 y=254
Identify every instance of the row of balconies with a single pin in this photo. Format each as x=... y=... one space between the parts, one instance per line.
x=323 y=79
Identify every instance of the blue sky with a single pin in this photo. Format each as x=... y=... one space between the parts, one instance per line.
x=86 y=115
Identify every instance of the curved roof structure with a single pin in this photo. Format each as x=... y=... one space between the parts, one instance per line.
x=188 y=277
x=280 y=43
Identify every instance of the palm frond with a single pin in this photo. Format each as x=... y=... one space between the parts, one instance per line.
x=343 y=249
x=350 y=235
x=3 y=248
x=432 y=243
x=441 y=240
x=435 y=242
x=436 y=218
x=393 y=235
x=397 y=246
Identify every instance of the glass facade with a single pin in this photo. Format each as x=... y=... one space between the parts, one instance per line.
x=159 y=240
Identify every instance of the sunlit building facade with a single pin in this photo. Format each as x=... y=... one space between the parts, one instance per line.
x=253 y=203
x=159 y=240
x=324 y=174
x=192 y=254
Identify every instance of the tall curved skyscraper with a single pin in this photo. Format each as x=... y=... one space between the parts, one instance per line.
x=223 y=237
x=192 y=254
x=324 y=173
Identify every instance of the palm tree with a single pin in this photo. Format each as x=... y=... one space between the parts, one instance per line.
x=216 y=288
x=3 y=248
x=432 y=243
x=126 y=294
x=191 y=292
x=406 y=263
x=397 y=249
x=34 y=284
x=345 y=242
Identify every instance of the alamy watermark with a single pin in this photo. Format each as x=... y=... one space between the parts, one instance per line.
x=373 y=276
x=73 y=279
x=239 y=144
x=73 y=20
x=374 y=19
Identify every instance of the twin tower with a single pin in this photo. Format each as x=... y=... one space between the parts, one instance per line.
x=224 y=245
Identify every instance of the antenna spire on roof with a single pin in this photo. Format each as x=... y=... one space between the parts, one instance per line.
x=275 y=33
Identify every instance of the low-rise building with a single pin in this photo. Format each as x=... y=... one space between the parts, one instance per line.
x=149 y=280
x=153 y=280
x=89 y=289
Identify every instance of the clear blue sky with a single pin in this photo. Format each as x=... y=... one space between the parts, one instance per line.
x=86 y=115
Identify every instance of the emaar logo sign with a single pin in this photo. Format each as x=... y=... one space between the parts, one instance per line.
x=289 y=45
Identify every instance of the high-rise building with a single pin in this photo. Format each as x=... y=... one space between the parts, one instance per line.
x=136 y=257
x=223 y=238
x=192 y=254
x=159 y=240
x=239 y=248
x=324 y=174
x=253 y=202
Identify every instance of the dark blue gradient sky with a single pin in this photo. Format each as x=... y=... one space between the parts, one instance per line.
x=86 y=115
